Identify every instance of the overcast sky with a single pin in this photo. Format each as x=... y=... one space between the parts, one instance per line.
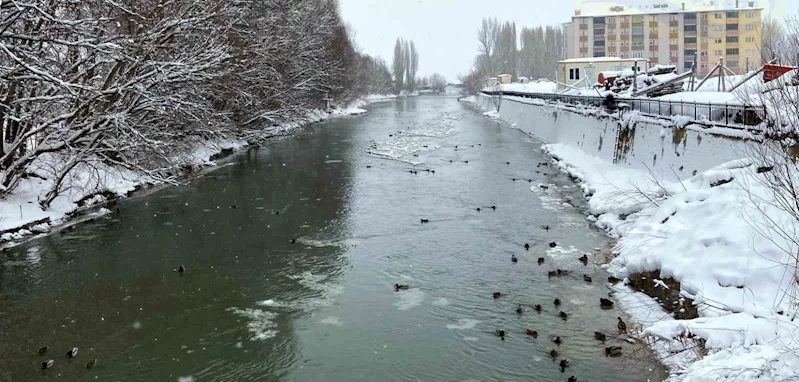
x=445 y=31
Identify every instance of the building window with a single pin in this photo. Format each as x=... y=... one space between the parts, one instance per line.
x=599 y=54
x=750 y=39
x=688 y=65
x=584 y=20
x=717 y=53
x=750 y=14
x=653 y=43
x=704 y=29
x=750 y=52
x=638 y=54
x=599 y=20
x=599 y=43
x=653 y=54
x=690 y=40
x=750 y=27
x=704 y=40
x=717 y=28
x=673 y=41
x=732 y=64
x=638 y=18
x=703 y=65
x=625 y=19
x=732 y=39
x=611 y=32
x=653 y=31
x=583 y=32
x=625 y=31
x=673 y=30
x=717 y=40
x=625 y=55
x=638 y=30
x=732 y=51
x=689 y=28
x=690 y=53
x=732 y=27
x=611 y=20
x=638 y=43
x=704 y=16
x=732 y=14
x=674 y=53
x=674 y=17
x=704 y=53
x=689 y=16
x=717 y=16
x=599 y=32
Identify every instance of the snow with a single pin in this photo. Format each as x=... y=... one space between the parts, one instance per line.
x=726 y=243
x=599 y=59
x=493 y=114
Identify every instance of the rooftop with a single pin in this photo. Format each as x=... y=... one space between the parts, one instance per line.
x=664 y=6
x=600 y=59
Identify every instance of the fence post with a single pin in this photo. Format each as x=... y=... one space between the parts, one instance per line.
x=726 y=115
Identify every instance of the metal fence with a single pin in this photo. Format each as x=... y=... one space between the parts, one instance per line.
x=731 y=115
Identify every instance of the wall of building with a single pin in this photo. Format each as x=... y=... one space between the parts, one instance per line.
x=670 y=152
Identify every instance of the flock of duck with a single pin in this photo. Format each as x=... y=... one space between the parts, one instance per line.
x=71 y=353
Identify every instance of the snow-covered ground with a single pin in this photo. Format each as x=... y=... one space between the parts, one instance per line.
x=20 y=213
x=722 y=236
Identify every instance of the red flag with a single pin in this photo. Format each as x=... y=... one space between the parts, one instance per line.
x=772 y=72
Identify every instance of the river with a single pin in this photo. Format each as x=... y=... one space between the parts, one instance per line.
x=255 y=306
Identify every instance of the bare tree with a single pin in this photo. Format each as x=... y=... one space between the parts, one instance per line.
x=399 y=66
x=770 y=35
x=438 y=83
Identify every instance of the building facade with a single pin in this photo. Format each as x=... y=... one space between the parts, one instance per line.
x=666 y=34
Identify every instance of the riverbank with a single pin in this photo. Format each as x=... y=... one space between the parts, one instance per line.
x=93 y=188
x=723 y=238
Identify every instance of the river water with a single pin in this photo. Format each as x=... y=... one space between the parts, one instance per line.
x=253 y=306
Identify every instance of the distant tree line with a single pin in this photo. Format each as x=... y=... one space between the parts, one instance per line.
x=132 y=82
x=535 y=53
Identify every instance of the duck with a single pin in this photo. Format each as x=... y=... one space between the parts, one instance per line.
x=557 y=302
x=43 y=350
x=557 y=340
x=531 y=333
x=71 y=353
x=564 y=363
x=425 y=221
x=514 y=259
x=613 y=280
x=562 y=272
x=91 y=363
x=572 y=379
x=587 y=278
x=48 y=364
x=584 y=259
x=398 y=287
x=497 y=294
x=500 y=334
x=540 y=260
x=513 y=179
x=478 y=209
x=467 y=162
x=293 y=241
x=622 y=326
x=181 y=270
x=564 y=316
x=519 y=309
x=551 y=274
x=368 y=166
x=494 y=208
x=613 y=351
x=599 y=336
x=546 y=228
x=508 y=163
x=605 y=303
x=553 y=353
x=553 y=244
x=527 y=246
x=538 y=308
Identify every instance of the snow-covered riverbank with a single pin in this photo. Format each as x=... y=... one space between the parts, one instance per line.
x=92 y=187
x=721 y=235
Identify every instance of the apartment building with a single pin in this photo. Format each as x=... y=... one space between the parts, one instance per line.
x=670 y=34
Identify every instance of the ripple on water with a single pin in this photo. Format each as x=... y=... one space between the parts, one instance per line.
x=440 y=301
x=409 y=299
x=331 y=320
x=260 y=325
x=346 y=243
x=464 y=324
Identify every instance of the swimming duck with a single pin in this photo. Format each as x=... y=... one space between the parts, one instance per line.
x=538 y=308
x=513 y=258
x=43 y=350
x=181 y=270
x=564 y=316
x=519 y=309
x=557 y=340
x=564 y=363
x=425 y=221
x=562 y=272
x=622 y=326
x=587 y=278
x=500 y=334
x=553 y=353
x=72 y=352
x=531 y=333
x=572 y=379
x=91 y=363
x=613 y=280
x=553 y=244
x=398 y=287
x=546 y=228
x=48 y=364
x=551 y=274
x=584 y=259
x=557 y=302
x=527 y=246
x=613 y=351
x=478 y=209
x=513 y=179
x=494 y=208
x=368 y=166
x=540 y=260
x=293 y=241
x=605 y=303
x=497 y=295
x=599 y=336
x=508 y=163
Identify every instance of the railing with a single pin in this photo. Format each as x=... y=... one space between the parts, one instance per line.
x=730 y=115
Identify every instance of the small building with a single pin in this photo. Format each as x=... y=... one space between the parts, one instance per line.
x=591 y=69
x=491 y=82
x=524 y=80
x=505 y=78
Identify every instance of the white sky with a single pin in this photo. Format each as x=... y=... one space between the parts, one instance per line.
x=445 y=31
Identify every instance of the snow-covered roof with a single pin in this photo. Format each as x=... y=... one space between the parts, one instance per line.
x=600 y=59
x=602 y=9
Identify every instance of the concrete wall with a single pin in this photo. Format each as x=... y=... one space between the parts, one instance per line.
x=662 y=148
